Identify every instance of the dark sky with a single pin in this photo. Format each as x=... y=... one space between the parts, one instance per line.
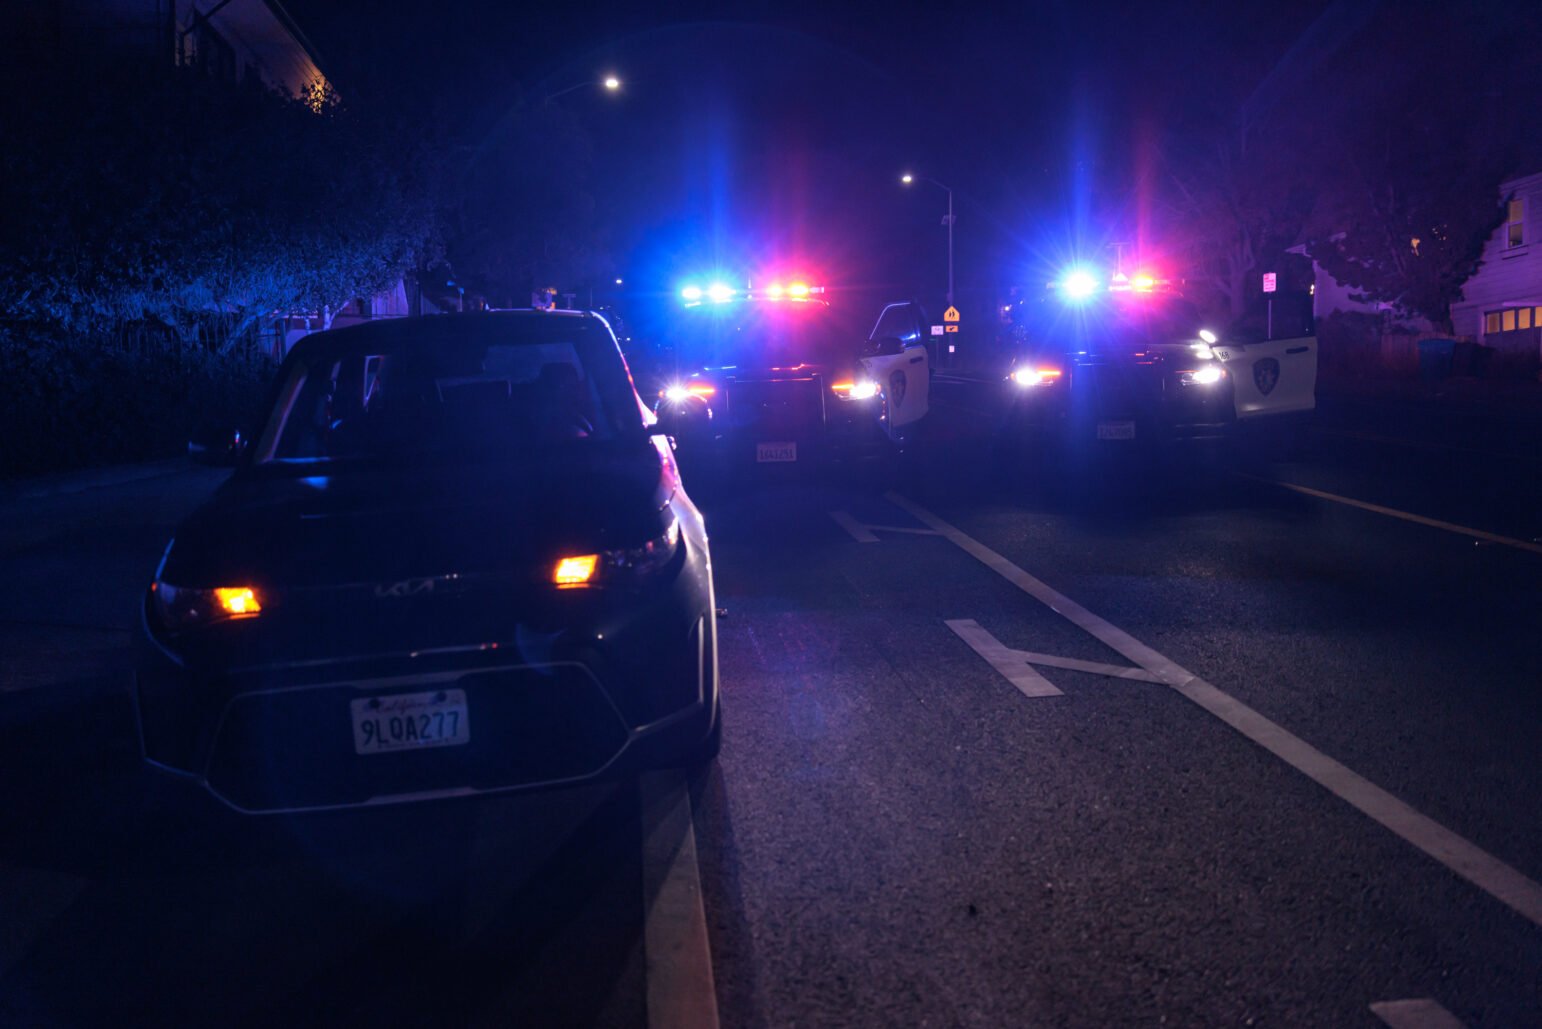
x=775 y=136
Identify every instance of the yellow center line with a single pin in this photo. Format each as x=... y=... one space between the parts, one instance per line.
x=1392 y=512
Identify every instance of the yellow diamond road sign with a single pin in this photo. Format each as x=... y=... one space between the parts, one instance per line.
x=950 y=315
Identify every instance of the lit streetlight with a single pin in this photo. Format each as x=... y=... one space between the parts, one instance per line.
x=907 y=179
x=610 y=83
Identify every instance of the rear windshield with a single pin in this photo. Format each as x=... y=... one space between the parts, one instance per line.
x=763 y=335
x=458 y=389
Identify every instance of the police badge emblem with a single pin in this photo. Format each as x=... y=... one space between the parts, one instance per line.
x=1266 y=375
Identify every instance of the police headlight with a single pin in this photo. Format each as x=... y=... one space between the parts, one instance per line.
x=1028 y=375
x=1207 y=375
x=864 y=389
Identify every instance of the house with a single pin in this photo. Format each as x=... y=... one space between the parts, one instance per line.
x=1502 y=303
x=1330 y=296
x=233 y=40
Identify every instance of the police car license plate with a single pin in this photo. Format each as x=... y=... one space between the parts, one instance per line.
x=410 y=721
x=1116 y=430
x=776 y=452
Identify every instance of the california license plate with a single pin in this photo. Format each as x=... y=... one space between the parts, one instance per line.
x=1116 y=430
x=776 y=452
x=410 y=721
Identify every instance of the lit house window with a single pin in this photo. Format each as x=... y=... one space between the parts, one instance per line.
x=1515 y=230
x=1511 y=319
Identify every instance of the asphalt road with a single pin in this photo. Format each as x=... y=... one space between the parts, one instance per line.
x=903 y=828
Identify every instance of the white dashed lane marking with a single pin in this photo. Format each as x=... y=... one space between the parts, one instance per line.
x=1477 y=866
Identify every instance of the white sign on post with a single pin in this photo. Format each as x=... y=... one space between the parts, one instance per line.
x=1270 y=280
x=936 y=330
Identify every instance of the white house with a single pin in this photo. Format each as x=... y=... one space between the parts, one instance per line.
x=1502 y=302
x=1329 y=295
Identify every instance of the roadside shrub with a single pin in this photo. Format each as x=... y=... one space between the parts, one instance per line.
x=1349 y=345
x=75 y=405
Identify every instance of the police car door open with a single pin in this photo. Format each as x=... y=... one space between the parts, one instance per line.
x=1276 y=376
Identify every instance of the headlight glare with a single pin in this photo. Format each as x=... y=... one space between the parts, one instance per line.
x=1207 y=375
x=1030 y=376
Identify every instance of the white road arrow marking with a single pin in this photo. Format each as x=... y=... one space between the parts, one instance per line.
x=1501 y=881
x=1005 y=660
x=863 y=533
x=1415 y=1014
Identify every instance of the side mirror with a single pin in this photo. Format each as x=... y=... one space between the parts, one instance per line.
x=217 y=449
x=883 y=346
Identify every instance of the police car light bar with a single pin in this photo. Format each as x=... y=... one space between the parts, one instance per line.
x=721 y=293
x=1078 y=284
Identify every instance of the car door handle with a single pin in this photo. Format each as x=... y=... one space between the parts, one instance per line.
x=1297 y=350
x=918 y=359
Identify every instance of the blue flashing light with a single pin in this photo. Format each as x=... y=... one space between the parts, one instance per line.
x=1078 y=284
x=720 y=293
x=691 y=293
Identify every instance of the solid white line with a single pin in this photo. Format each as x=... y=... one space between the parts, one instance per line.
x=1415 y=1014
x=1004 y=659
x=911 y=529
x=680 y=989
x=1392 y=512
x=859 y=532
x=1477 y=866
x=1094 y=667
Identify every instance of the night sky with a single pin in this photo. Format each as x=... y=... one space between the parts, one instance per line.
x=775 y=137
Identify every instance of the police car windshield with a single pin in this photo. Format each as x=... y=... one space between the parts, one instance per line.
x=764 y=334
x=1115 y=321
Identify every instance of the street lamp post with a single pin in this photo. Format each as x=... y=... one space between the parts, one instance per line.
x=907 y=179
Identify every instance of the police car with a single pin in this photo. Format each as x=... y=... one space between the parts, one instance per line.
x=1127 y=361
x=769 y=375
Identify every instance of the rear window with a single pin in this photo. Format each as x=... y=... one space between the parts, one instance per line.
x=458 y=390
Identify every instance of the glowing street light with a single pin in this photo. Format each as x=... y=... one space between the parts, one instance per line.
x=907 y=179
x=610 y=83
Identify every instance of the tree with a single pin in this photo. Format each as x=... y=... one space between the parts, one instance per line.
x=198 y=206
x=1235 y=205
x=1412 y=193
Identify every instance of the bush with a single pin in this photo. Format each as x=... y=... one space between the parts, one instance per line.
x=1349 y=345
x=74 y=405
